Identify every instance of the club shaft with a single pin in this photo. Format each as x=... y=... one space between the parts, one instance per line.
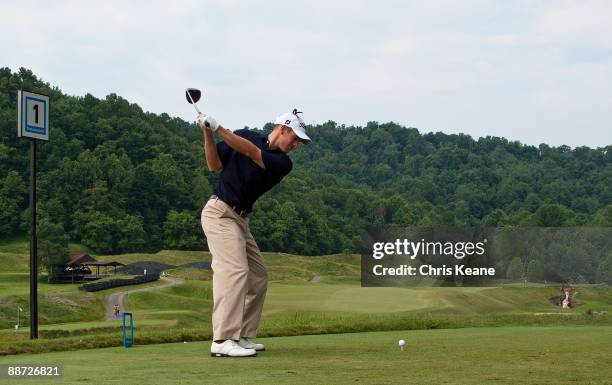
x=192 y=102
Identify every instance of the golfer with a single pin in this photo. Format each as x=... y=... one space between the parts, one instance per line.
x=250 y=165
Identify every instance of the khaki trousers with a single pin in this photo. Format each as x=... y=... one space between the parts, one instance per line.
x=240 y=279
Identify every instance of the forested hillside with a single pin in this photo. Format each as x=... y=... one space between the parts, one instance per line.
x=118 y=179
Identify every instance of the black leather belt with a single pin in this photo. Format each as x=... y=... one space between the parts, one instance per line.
x=236 y=209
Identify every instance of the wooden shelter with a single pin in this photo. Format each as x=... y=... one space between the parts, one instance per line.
x=78 y=268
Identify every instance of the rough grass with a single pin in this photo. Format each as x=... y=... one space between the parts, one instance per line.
x=53 y=307
x=13 y=262
x=171 y=257
x=189 y=303
x=282 y=267
x=17 y=245
x=190 y=274
x=115 y=277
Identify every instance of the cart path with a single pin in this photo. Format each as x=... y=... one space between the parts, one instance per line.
x=117 y=297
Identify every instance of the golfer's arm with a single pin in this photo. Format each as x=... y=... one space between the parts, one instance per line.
x=241 y=145
x=210 y=151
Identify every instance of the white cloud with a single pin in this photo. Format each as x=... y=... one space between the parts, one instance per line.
x=524 y=70
x=578 y=21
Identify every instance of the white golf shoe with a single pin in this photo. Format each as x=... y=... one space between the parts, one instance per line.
x=248 y=344
x=230 y=348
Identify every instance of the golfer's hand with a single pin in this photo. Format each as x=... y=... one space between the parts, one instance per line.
x=205 y=121
x=200 y=120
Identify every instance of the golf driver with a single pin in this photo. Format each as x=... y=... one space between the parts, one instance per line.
x=193 y=95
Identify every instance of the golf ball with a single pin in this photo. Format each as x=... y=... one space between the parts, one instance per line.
x=402 y=342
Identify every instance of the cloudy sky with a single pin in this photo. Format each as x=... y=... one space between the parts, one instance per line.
x=534 y=71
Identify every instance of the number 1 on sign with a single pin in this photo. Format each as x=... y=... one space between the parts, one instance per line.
x=36 y=115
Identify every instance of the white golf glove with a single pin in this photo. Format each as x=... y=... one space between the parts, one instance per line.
x=208 y=122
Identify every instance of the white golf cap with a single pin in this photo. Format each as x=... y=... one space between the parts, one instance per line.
x=293 y=121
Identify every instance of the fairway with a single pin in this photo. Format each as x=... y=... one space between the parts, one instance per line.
x=355 y=299
x=503 y=355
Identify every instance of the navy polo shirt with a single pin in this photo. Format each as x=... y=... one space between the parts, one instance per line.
x=242 y=181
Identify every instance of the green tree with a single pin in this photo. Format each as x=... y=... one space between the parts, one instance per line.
x=96 y=230
x=551 y=215
x=603 y=217
x=535 y=270
x=123 y=168
x=515 y=269
x=200 y=189
x=12 y=190
x=52 y=243
x=130 y=234
x=604 y=271
x=182 y=231
x=495 y=218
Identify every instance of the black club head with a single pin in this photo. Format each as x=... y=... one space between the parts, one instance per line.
x=193 y=95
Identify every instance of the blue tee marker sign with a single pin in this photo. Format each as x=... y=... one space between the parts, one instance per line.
x=32 y=115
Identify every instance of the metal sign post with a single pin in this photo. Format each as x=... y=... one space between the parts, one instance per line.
x=33 y=123
x=33 y=245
